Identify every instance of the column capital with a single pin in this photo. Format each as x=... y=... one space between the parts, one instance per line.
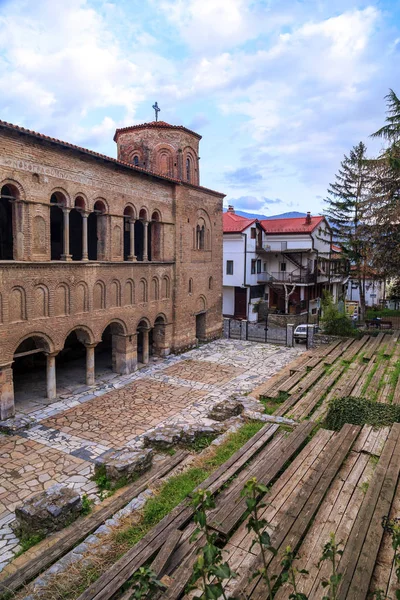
x=91 y=345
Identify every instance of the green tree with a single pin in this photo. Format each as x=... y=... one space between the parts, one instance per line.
x=347 y=203
x=384 y=207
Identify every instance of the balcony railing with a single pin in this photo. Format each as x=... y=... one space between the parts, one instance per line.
x=297 y=276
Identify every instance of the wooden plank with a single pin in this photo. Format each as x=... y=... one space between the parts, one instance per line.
x=396 y=395
x=226 y=516
x=265 y=388
x=336 y=515
x=373 y=348
x=308 y=499
x=355 y=349
x=376 y=379
x=366 y=535
x=159 y=563
x=111 y=581
x=358 y=389
x=351 y=377
x=308 y=402
x=57 y=545
x=392 y=344
x=330 y=359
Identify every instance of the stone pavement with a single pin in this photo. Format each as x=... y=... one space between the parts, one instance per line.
x=68 y=434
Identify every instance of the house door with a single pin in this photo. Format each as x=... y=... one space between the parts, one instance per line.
x=240 y=303
x=201 y=327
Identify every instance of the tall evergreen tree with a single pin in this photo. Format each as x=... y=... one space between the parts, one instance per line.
x=384 y=208
x=347 y=201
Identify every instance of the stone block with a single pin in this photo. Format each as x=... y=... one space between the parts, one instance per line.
x=225 y=410
x=48 y=511
x=163 y=438
x=124 y=463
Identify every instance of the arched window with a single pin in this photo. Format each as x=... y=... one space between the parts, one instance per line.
x=188 y=169
x=97 y=231
x=136 y=160
x=200 y=235
x=8 y=195
x=57 y=225
x=128 y=223
x=76 y=229
x=210 y=283
x=190 y=286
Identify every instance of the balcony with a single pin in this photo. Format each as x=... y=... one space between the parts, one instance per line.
x=297 y=276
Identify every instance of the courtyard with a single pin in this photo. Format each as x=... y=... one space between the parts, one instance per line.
x=67 y=435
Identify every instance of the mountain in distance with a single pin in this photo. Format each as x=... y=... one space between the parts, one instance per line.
x=286 y=215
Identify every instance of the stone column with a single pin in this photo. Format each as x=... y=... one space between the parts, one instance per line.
x=289 y=335
x=124 y=354
x=7 y=406
x=132 y=256
x=66 y=255
x=51 y=376
x=90 y=364
x=145 y=238
x=85 y=255
x=145 y=346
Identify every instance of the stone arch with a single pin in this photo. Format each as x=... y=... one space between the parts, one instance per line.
x=62 y=300
x=62 y=197
x=164 y=159
x=143 y=213
x=84 y=334
x=100 y=204
x=201 y=304
x=136 y=153
x=130 y=211
x=117 y=327
x=80 y=201
x=81 y=297
x=155 y=289
x=129 y=218
x=143 y=294
x=190 y=166
x=115 y=293
x=166 y=287
x=10 y=221
x=40 y=339
x=143 y=323
x=40 y=301
x=161 y=318
x=17 y=304
x=59 y=200
x=129 y=293
x=99 y=295
x=15 y=184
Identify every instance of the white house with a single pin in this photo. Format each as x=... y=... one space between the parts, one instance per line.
x=374 y=289
x=242 y=266
x=285 y=262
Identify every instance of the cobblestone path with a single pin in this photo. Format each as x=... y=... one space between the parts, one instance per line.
x=68 y=434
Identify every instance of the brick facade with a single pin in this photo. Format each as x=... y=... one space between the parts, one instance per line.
x=157 y=269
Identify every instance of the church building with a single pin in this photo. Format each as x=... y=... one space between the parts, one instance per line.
x=103 y=261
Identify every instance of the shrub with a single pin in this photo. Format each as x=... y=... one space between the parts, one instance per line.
x=360 y=411
x=334 y=322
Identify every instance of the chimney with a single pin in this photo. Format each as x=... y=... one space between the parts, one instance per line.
x=231 y=209
x=308 y=219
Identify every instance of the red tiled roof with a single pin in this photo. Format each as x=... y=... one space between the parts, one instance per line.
x=291 y=225
x=336 y=248
x=155 y=125
x=235 y=223
x=103 y=157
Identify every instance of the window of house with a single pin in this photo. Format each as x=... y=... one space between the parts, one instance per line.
x=229 y=267
x=265 y=267
x=283 y=266
x=258 y=266
x=190 y=286
x=253 y=267
x=253 y=233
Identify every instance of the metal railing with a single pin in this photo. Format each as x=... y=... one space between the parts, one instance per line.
x=297 y=276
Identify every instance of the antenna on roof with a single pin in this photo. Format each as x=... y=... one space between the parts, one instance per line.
x=156 y=110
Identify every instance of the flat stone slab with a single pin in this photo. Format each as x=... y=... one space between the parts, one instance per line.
x=18 y=423
x=166 y=437
x=48 y=511
x=225 y=410
x=124 y=463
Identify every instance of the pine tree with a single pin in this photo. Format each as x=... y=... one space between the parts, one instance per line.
x=347 y=202
x=384 y=209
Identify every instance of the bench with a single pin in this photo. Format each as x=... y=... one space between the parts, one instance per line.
x=378 y=324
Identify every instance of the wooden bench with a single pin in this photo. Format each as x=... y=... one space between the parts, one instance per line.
x=378 y=324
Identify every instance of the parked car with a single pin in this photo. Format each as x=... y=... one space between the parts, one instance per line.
x=300 y=333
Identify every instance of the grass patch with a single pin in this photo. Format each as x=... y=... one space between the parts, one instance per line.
x=28 y=541
x=271 y=404
x=360 y=411
x=384 y=312
x=106 y=487
x=177 y=488
x=201 y=443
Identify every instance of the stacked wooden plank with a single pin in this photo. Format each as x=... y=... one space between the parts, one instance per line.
x=355 y=348
x=374 y=345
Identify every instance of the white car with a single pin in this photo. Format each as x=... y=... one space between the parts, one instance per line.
x=300 y=333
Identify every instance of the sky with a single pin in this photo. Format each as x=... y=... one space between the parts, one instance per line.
x=279 y=90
